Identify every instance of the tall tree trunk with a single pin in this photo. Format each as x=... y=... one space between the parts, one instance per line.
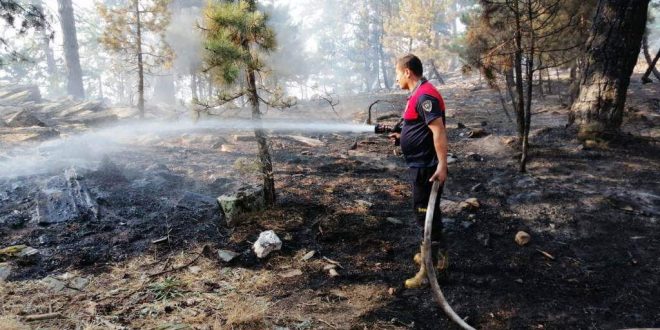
x=517 y=65
x=260 y=134
x=74 y=71
x=381 y=62
x=612 y=51
x=649 y=60
x=139 y=59
x=530 y=79
x=193 y=85
x=436 y=72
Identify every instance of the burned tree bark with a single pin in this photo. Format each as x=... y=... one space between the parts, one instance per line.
x=74 y=71
x=612 y=51
x=262 y=139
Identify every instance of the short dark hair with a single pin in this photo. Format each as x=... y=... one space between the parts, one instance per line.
x=413 y=63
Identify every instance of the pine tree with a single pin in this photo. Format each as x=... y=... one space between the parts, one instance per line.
x=22 y=19
x=512 y=37
x=420 y=27
x=612 y=52
x=236 y=34
x=128 y=32
x=72 y=58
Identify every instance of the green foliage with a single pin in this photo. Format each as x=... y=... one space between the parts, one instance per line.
x=21 y=19
x=235 y=34
x=560 y=31
x=120 y=33
x=169 y=288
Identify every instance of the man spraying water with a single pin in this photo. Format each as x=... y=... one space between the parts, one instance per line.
x=424 y=145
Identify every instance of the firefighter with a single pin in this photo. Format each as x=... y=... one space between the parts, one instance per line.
x=424 y=145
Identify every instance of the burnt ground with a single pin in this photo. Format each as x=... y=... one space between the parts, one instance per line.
x=592 y=213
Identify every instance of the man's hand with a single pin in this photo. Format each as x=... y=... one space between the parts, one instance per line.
x=440 y=174
x=394 y=137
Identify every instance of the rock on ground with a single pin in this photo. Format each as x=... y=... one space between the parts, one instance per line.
x=267 y=243
x=246 y=199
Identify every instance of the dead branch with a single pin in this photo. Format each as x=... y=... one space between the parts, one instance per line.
x=42 y=317
x=204 y=248
x=327 y=97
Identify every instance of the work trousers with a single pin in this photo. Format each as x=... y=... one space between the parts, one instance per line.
x=421 y=193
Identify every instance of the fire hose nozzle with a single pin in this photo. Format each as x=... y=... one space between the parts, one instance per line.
x=383 y=129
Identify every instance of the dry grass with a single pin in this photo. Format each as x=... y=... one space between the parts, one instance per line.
x=245 y=311
x=10 y=323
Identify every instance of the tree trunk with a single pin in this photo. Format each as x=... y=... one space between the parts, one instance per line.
x=72 y=58
x=262 y=141
x=649 y=60
x=645 y=77
x=51 y=67
x=139 y=59
x=193 y=85
x=260 y=134
x=530 y=79
x=612 y=51
x=383 y=67
x=517 y=65
x=436 y=73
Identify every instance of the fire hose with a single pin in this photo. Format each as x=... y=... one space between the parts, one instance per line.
x=430 y=267
x=426 y=244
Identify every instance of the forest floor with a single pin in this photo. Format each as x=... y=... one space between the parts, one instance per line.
x=593 y=261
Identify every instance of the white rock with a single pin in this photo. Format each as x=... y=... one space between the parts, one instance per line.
x=267 y=243
x=227 y=256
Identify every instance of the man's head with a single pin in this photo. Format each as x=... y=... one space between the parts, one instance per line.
x=408 y=71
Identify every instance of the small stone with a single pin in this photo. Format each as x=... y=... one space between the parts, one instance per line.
x=53 y=284
x=329 y=266
x=266 y=243
x=291 y=273
x=477 y=133
x=5 y=271
x=590 y=144
x=391 y=291
x=460 y=125
x=333 y=272
x=363 y=203
x=227 y=148
x=194 y=269
x=90 y=308
x=227 y=255
x=394 y=221
x=522 y=238
x=470 y=203
x=79 y=283
x=519 y=281
x=12 y=251
x=308 y=255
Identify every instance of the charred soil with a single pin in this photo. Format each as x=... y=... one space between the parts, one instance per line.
x=150 y=258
